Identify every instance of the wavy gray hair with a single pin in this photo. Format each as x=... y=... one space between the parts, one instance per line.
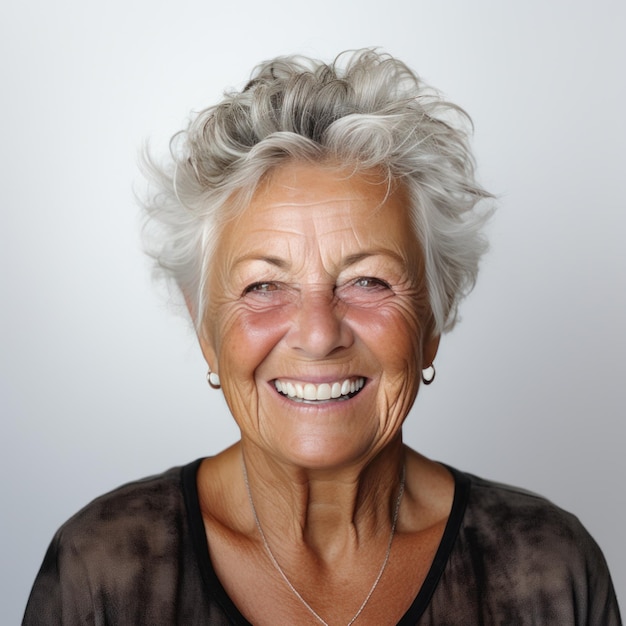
x=365 y=110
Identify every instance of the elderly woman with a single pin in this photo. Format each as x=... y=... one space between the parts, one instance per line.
x=322 y=226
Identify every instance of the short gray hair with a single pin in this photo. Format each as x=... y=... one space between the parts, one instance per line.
x=366 y=110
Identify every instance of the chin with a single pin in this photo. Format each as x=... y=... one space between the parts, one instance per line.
x=324 y=452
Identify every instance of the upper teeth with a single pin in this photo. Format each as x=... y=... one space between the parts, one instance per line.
x=324 y=391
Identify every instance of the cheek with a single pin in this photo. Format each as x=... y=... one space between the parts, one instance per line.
x=247 y=337
x=395 y=337
x=394 y=332
x=244 y=341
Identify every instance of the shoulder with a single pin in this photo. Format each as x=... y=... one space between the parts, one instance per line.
x=524 y=551
x=121 y=514
x=124 y=529
x=520 y=519
x=121 y=557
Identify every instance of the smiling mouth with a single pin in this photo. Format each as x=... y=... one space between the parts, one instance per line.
x=324 y=392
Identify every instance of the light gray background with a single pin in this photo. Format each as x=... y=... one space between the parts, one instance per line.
x=101 y=384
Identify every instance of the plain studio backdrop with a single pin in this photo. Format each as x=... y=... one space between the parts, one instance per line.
x=101 y=382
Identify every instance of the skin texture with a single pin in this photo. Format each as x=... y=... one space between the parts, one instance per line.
x=320 y=280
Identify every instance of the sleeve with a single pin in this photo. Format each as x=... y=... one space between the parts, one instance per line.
x=60 y=593
x=601 y=601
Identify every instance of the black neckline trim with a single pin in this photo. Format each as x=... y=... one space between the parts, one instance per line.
x=212 y=584
x=214 y=588
x=457 y=513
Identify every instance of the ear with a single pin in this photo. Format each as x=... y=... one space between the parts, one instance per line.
x=429 y=351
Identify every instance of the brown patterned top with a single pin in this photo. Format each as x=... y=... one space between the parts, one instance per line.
x=138 y=555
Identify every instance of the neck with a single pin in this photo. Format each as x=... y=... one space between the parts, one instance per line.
x=330 y=513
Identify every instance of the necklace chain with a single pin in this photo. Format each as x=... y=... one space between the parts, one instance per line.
x=279 y=569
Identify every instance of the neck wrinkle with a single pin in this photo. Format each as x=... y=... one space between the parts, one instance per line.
x=330 y=514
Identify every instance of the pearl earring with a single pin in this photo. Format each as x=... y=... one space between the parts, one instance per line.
x=213 y=379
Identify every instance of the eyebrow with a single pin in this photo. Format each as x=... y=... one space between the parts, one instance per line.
x=270 y=260
x=351 y=259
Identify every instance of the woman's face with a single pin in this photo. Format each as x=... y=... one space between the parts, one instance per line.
x=318 y=316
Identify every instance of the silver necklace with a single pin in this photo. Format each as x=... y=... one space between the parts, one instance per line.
x=279 y=569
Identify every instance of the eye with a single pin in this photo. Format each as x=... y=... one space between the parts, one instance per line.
x=364 y=291
x=262 y=287
x=265 y=295
x=370 y=283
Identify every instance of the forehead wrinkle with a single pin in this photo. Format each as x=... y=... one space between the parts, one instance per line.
x=264 y=242
x=306 y=225
x=297 y=204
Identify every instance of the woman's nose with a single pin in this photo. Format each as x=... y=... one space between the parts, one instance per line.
x=319 y=327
